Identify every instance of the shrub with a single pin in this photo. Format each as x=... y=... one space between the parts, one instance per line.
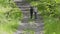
x=10 y=15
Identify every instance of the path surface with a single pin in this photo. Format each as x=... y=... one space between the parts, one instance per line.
x=36 y=25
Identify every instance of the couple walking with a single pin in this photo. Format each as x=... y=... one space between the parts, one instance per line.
x=33 y=10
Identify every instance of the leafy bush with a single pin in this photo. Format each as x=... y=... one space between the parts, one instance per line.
x=47 y=7
x=10 y=15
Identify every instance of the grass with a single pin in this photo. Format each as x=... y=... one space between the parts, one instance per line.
x=52 y=25
x=7 y=25
x=28 y=31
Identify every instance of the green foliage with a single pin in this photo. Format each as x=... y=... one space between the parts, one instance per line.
x=50 y=10
x=51 y=25
x=46 y=7
x=10 y=16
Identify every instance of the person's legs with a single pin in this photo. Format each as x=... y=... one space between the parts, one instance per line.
x=35 y=13
x=31 y=14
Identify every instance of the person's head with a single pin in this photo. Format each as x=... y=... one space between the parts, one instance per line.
x=31 y=7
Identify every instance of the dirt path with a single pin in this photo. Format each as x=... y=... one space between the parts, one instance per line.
x=36 y=25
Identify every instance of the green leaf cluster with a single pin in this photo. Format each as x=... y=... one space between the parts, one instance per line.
x=10 y=16
x=47 y=7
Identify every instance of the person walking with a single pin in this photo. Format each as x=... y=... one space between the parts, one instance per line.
x=35 y=12
x=31 y=12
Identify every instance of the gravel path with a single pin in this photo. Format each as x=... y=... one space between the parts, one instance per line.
x=26 y=24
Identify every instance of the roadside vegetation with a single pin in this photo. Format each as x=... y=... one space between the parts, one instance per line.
x=10 y=15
